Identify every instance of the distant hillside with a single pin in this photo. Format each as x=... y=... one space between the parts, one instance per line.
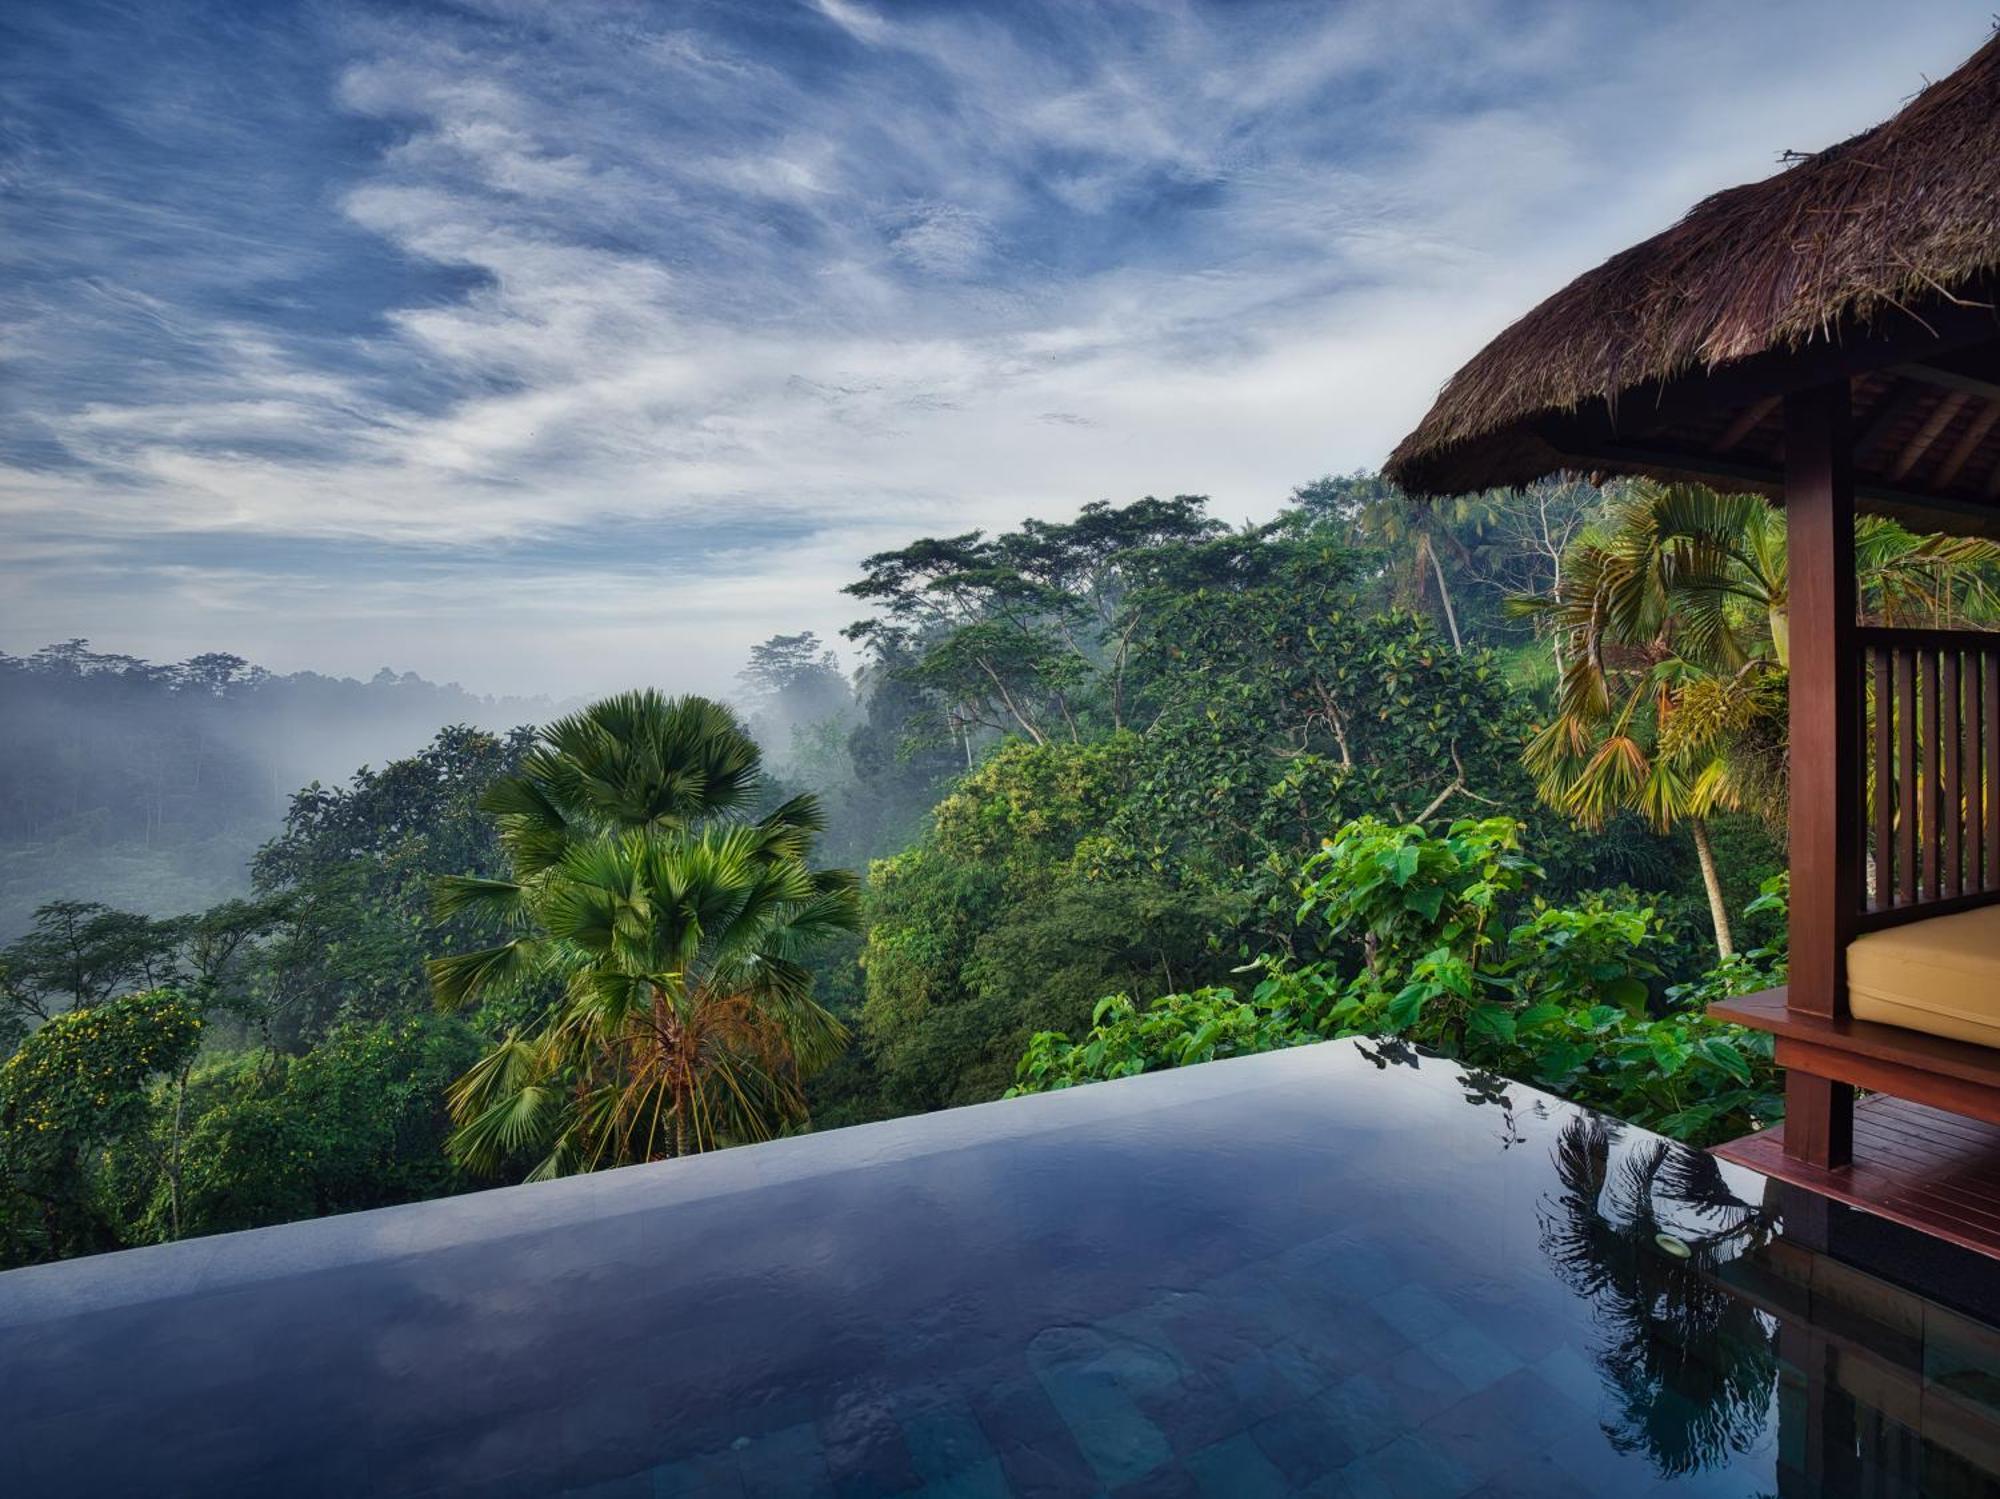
x=148 y=786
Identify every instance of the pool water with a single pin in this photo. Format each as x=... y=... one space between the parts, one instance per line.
x=1345 y=1270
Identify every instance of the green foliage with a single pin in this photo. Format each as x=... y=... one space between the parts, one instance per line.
x=75 y=1093
x=348 y=883
x=1458 y=957
x=1762 y=967
x=1175 y=1030
x=674 y=929
x=78 y=954
x=1149 y=860
x=357 y=1122
x=1007 y=919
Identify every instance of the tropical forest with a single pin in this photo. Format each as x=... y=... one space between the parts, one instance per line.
x=1501 y=779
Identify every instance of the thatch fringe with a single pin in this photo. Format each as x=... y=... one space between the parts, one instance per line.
x=1908 y=211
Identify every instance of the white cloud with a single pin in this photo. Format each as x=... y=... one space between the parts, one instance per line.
x=975 y=274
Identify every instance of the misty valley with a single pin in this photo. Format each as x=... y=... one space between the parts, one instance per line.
x=1090 y=798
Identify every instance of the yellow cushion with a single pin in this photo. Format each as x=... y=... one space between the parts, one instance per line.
x=1940 y=975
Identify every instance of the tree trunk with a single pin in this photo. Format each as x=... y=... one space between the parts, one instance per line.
x=1444 y=598
x=1718 y=908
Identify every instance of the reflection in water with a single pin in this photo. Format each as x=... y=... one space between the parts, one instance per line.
x=1319 y=1271
x=1691 y=1366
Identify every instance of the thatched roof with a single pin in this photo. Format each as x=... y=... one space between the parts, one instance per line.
x=1877 y=229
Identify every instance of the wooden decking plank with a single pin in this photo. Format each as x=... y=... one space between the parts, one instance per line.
x=1918 y=1166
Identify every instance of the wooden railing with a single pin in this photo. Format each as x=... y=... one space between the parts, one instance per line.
x=1930 y=762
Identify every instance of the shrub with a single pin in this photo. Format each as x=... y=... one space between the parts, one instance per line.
x=1563 y=997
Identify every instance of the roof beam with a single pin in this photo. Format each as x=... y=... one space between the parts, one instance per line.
x=1752 y=418
x=1620 y=458
x=1965 y=385
x=1921 y=440
x=1653 y=406
x=1896 y=404
x=1968 y=443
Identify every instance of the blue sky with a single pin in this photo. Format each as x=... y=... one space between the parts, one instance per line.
x=556 y=347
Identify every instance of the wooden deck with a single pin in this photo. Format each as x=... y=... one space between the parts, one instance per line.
x=1955 y=1075
x=1935 y=1172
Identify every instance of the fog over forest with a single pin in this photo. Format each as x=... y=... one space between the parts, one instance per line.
x=149 y=785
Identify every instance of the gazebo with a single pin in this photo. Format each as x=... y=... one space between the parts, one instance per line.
x=1827 y=337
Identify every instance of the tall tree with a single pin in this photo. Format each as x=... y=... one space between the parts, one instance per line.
x=1670 y=623
x=673 y=929
x=1029 y=632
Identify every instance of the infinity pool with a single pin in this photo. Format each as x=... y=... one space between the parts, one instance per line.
x=1337 y=1271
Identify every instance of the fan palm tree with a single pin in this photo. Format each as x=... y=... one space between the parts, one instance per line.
x=1671 y=628
x=672 y=928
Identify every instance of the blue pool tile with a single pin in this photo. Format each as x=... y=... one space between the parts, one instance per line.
x=983 y=1480
x=1418 y=1387
x=1408 y=1468
x=1303 y=1443
x=944 y=1441
x=1364 y=1268
x=1540 y=1478
x=1505 y=1424
x=785 y=1464
x=1362 y=1410
x=866 y=1451
x=1346 y=1337
x=1572 y=1372
x=1031 y=1440
x=1193 y=1413
x=1080 y=1368
x=1170 y=1482
x=1417 y=1312
x=1470 y=1357
x=711 y=1475
x=1236 y=1469
x=631 y=1486
x=1258 y=1388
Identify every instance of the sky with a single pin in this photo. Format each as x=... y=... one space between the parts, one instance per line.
x=562 y=347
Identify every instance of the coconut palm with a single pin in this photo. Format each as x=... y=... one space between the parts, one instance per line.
x=1671 y=628
x=672 y=931
x=1688 y=1365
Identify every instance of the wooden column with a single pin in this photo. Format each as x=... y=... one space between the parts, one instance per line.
x=1826 y=775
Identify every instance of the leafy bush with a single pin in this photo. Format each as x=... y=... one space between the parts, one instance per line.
x=1176 y=1030
x=75 y=1094
x=1457 y=956
x=357 y=1122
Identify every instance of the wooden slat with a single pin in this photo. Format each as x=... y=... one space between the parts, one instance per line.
x=1973 y=685
x=1881 y=1075
x=1905 y=637
x=1951 y=821
x=1913 y=1165
x=1921 y=440
x=1906 y=777
x=1767 y=1010
x=1975 y=433
x=1885 y=781
x=1875 y=921
x=1989 y=672
x=1899 y=401
x=1927 y=803
x=1746 y=422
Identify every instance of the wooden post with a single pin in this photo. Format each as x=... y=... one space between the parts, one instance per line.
x=1827 y=789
